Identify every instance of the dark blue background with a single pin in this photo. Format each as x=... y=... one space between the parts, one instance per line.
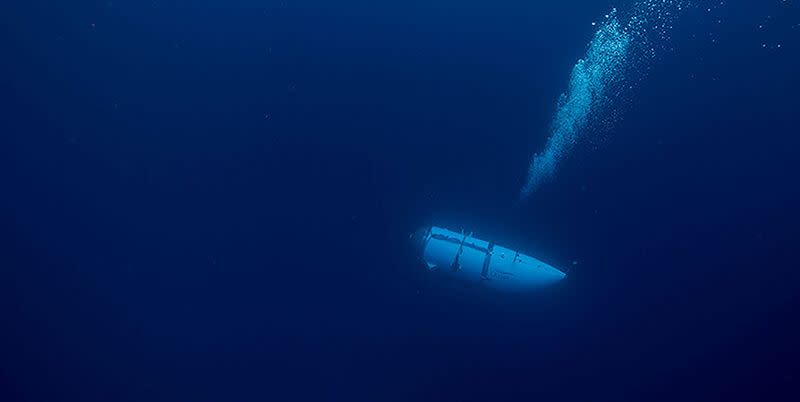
x=210 y=200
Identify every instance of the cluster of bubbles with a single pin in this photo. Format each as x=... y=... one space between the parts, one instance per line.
x=616 y=60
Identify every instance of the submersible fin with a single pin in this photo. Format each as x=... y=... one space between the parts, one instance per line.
x=469 y=259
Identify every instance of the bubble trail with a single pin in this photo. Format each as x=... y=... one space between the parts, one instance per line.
x=613 y=57
x=590 y=80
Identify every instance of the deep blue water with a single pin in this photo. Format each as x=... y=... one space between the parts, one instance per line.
x=210 y=201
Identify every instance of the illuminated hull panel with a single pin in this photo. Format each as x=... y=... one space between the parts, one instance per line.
x=465 y=258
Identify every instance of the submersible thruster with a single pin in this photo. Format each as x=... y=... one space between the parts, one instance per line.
x=463 y=257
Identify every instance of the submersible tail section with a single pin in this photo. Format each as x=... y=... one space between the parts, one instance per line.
x=468 y=259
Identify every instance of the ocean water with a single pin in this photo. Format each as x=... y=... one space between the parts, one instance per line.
x=211 y=200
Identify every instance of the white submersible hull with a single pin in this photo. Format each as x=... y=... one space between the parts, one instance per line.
x=466 y=258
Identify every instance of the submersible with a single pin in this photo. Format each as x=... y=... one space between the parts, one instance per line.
x=462 y=257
